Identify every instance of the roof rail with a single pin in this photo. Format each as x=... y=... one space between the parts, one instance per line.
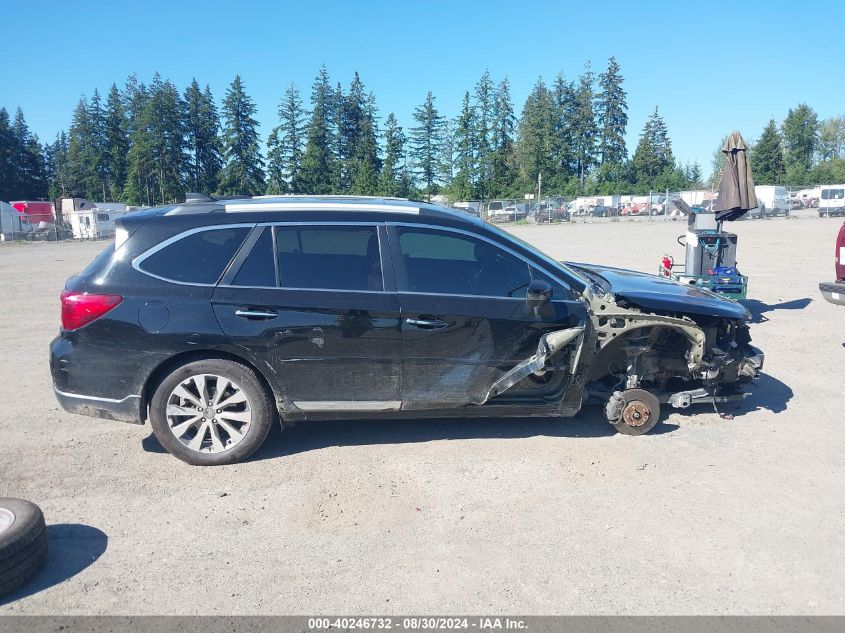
x=193 y=197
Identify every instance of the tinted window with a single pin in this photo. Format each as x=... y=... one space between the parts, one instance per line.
x=329 y=257
x=197 y=258
x=258 y=269
x=448 y=263
x=103 y=217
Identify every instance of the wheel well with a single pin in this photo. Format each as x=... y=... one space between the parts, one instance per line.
x=183 y=358
x=614 y=350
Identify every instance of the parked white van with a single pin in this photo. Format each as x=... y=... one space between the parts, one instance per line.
x=771 y=201
x=832 y=200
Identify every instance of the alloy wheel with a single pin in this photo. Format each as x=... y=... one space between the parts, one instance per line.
x=208 y=413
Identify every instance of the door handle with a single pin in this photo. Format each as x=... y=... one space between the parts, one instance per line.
x=251 y=313
x=427 y=324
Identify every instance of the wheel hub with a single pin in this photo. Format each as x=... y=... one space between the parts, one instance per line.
x=636 y=413
x=7 y=517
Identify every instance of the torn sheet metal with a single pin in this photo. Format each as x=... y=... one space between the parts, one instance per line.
x=548 y=346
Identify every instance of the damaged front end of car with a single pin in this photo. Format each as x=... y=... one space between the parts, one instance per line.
x=671 y=356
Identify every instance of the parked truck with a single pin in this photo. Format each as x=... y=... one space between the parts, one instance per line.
x=835 y=292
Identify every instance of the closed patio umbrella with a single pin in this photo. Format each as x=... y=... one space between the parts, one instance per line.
x=736 y=191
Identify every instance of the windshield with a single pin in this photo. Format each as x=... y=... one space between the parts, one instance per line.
x=833 y=194
x=553 y=263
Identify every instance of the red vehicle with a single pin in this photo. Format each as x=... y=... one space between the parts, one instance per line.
x=36 y=211
x=835 y=292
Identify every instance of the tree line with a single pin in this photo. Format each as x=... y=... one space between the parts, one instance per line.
x=148 y=144
x=801 y=150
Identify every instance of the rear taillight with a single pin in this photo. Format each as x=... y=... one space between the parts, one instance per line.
x=80 y=308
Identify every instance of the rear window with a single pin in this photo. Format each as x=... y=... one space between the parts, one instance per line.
x=198 y=258
x=329 y=258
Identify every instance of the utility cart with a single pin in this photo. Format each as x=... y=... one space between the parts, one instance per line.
x=710 y=256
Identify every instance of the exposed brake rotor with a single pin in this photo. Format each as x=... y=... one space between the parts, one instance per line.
x=636 y=413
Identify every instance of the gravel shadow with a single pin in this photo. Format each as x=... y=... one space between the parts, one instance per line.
x=758 y=309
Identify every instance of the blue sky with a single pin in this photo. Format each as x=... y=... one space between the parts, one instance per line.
x=710 y=66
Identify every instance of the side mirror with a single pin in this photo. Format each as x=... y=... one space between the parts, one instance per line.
x=539 y=293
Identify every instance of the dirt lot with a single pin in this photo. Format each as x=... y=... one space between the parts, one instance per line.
x=703 y=516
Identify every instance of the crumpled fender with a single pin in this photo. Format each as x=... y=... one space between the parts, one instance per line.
x=549 y=345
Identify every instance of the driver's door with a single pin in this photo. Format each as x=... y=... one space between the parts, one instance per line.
x=465 y=319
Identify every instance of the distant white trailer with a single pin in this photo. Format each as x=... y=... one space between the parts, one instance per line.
x=95 y=222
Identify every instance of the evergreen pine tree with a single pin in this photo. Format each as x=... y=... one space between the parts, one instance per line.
x=366 y=161
x=535 y=136
x=767 y=157
x=98 y=185
x=654 y=152
x=427 y=143
x=800 y=133
x=485 y=104
x=202 y=138
x=584 y=130
x=165 y=118
x=55 y=166
x=503 y=160
x=83 y=179
x=286 y=144
x=6 y=156
x=392 y=172
x=612 y=116
x=243 y=172
x=318 y=162
x=116 y=142
x=563 y=146
x=465 y=151
x=139 y=161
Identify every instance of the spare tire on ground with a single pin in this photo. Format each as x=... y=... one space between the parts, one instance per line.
x=23 y=542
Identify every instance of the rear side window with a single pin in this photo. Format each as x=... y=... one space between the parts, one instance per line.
x=329 y=257
x=259 y=269
x=198 y=258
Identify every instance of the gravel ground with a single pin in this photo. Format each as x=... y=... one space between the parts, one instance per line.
x=703 y=516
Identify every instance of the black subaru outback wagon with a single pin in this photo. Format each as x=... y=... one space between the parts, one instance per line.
x=214 y=317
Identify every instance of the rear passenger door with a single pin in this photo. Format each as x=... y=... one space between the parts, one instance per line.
x=317 y=302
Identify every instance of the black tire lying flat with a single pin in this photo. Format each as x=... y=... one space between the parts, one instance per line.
x=23 y=542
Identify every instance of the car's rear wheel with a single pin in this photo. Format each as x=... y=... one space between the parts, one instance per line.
x=211 y=412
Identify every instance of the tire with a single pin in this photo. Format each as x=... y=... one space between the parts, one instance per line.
x=241 y=427
x=626 y=409
x=23 y=542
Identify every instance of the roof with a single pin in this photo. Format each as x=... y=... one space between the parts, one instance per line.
x=197 y=204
